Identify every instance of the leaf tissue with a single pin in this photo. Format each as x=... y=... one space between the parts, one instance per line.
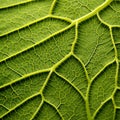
x=59 y=59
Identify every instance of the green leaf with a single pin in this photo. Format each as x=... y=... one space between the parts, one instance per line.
x=59 y=59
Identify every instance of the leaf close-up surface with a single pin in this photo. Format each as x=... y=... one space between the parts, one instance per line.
x=59 y=59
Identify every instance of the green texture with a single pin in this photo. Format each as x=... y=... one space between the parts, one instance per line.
x=59 y=59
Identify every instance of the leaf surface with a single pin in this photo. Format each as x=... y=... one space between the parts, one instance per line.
x=59 y=60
